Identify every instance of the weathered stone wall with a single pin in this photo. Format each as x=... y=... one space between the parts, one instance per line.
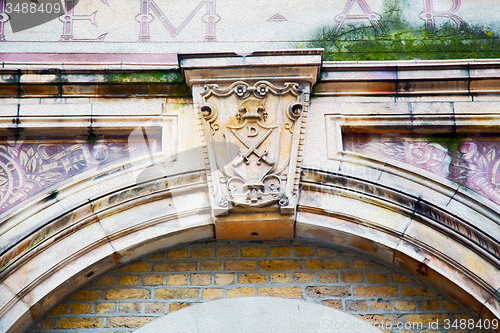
x=161 y=283
x=347 y=29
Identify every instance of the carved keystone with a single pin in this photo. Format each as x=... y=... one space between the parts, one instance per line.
x=252 y=114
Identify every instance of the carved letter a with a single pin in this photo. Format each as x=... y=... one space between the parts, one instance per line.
x=368 y=15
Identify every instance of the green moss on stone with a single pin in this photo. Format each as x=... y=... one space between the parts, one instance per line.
x=451 y=141
x=399 y=40
x=170 y=76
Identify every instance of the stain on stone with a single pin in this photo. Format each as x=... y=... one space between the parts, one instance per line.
x=398 y=40
x=52 y=196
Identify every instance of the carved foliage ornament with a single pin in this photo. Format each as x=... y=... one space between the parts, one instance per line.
x=252 y=136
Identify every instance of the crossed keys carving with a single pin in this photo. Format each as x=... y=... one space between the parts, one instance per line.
x=252 y=149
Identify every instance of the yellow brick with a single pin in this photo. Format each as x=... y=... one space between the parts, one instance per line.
x=324 y=252
x=128 y=322
x=129 y=293
x=304 y=277
x=328 y=277
x=240 y=265
x=201 y=279
x=333 y=304
x=86 y=295
x=240 y=292
x=281 y=278
x=382 y=291
x=154 y=307
x=367 y=264
x=380 y=305
x=251 y=278
x=280 y=264
x=462 y=317
x=106 y=280
x=376 y=278
x=378 y=319
x=174 y=267
x=59 y=310
x=176 y=280
x=221 y=279
x=450 y=306
x=355 y=277
x=280 y=292
x=328 y=291
x=156 y=256
x=177 y=293
x=429 y=305
x=135 y=267
x=404 y=306
x=211 y=266
x=129 y=280
x=352 y=305
x=420 y=291
x=129 y=307
x=212 y=294
x=426 y=318
x=103 y=308
x=152 y=280
x=81 y=308
x=253 y=252
x=303 y=251
x=66 y=323
x=280 y=251
x=326 y=264
x=401 y=278
x=201 y=253
x=177 y=306
x=177 y=254
x=226 y=252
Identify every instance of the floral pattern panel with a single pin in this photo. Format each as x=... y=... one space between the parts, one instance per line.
x=472 y=161
x=32 y=165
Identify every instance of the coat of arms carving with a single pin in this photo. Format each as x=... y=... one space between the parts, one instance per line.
x=253 y=133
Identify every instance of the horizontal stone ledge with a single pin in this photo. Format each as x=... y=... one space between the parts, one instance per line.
x=91 y=61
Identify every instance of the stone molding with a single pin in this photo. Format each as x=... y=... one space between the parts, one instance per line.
x=409 y=78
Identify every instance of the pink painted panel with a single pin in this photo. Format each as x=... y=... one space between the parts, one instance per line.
x=33 y=165
x=472 y=161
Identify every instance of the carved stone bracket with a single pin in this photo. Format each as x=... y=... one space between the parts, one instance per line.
x=252 y=120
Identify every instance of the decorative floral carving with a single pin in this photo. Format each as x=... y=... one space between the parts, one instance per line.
x=33 y=165
x=475 y=164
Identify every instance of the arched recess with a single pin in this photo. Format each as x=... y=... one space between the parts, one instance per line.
x=109 y=219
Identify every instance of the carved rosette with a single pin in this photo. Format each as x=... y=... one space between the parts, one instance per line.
x=252 y=134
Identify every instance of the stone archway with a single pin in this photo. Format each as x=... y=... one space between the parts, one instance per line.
x=402 y=215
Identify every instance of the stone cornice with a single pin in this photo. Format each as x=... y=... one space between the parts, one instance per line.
x=410 y=78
